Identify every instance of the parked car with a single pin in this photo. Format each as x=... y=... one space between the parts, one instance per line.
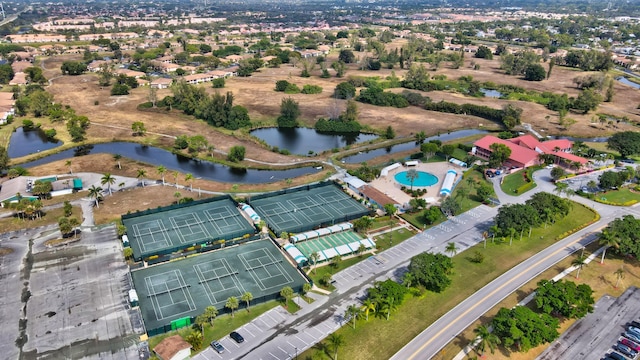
x=630 y=344
x=615 y=356
x=626 y=350
x=635 y=323
x=634 y=329
x=632 y=336
x=217 y=347
x=237 y=337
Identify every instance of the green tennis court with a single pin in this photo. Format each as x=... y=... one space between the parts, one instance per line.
x=168 y=229
x=183 y=288
x=328 y=242
x=305 y=208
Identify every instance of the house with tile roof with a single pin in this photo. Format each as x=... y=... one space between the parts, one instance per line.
x=526 y=151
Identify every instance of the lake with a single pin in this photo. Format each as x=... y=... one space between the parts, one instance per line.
x=491 y=93
x=199 y=169
x=626 y=81
x=28 y=142
x=302 y=141
x=365 y=156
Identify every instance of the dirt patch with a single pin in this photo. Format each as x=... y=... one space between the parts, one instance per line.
x=5 y=251
x=60 y=242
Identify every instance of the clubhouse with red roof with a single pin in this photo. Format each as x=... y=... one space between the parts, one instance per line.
x=526 y=151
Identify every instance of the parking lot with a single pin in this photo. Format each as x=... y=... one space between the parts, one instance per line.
x=596 y=334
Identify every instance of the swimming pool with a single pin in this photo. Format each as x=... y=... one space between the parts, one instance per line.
x=424 y=179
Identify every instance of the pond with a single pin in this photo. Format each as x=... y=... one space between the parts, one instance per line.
x=491 y=93
x=626 y=81
x=302 y=141
x=199 y=169
x=24 y=143
x=365 y=156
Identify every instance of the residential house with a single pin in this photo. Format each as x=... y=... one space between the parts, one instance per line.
x=161 y=83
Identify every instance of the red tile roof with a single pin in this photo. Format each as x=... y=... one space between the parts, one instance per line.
x=519 y=154
x=522 y=148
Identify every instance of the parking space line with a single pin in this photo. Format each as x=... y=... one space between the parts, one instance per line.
x=304 y=342
x=275 y=357
x=281 y=349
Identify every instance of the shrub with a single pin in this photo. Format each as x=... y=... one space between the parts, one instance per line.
x=292 y=89
x=218 y=83
x=311 y=89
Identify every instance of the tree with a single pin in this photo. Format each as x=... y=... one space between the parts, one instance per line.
x=346 y=56
x=587 y=100
x=363 y=224
x=564 y=298
x=557 y=172
x=352 y=313
x=367 y=306
x=287 y=294
x=626 y=143
x=449 y=206
x=194 y=339
x=336 y=342
x=389 y=133
x=64 y=226
x=117 y=158
x=486 y=338
x=432 y=270
x=484 y=191
x=619 y=275
x=412 y=175
x=232 y=304
x=189 y=178
x=535 y=72
x=108 y=179
x=607 y=239
x=451 y=249
x=344 y=90
x=289 y=112
x=447 y=150
x=313 y=257
x=579 y=262
x=138 y=128
x=484 y=52
x=95 y=193
x=67 y=163
x=67 y=208
x=499 y=154
x=521 y=329
x=210 y=313
x=236 y=153
x=199 y=323
x=161 y=170
x=386 y=305
x=141 y=174
x=429 y=149
x=247 y=297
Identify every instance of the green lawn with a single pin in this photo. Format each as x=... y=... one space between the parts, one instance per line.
x=222 y=325
x=317 y=273
x=514 y=181
x=622 y=196
x=380 y=339
x=391 y=239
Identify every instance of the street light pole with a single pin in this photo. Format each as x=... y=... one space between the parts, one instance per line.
x=296 y=353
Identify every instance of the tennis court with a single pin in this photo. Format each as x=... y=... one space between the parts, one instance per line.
x=183 y=288
x=329 y=246
x=301 y=209
x=165 y=230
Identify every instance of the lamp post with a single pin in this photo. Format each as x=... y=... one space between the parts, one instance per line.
x=296 y=352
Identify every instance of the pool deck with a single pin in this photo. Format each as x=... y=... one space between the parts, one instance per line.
x=389 y=186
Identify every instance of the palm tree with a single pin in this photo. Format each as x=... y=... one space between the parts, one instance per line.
x=494 y=230
x=368 y=305
x=247 y=297
x=512 y=231
x=232 y=304
x=619 y=275
x=109 y=180
x=74 y=222
x=336 y=341
x=412 y=175
x=141 y=173
x=486 y=339
x=175 y=175
x=451 y=249
x=607 y=239
x=287 y=294
x=561 y=188
x=386 y=305
x=314 y=257
x=199 y=323
x=95 y=192
x=462 y=192
x=189 y=178
x=210 y=312
x=161 y=171
x=194 y=339
x=408 y=279
x=352 y=312
x=117 y=158
x=68 y=163
x=580 y=262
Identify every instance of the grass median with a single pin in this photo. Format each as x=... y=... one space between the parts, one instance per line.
x=379 y=338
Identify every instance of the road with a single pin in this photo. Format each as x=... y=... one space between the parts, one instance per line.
x=428 y=343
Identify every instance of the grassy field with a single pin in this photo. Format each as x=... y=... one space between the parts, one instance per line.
x=391 y=239
x=619 y=197
x=513 y=181
x=380 y=339
x=222 y=325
